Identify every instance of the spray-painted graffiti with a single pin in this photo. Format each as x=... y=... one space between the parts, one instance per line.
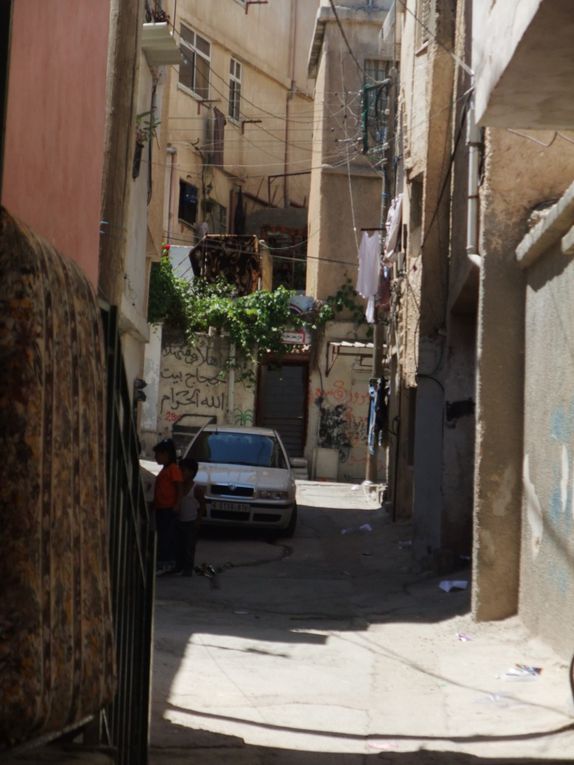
x=333 y=428
x=243 y=417
x=197 y=355
x=342 y=394
x=190 y=398
x=343 y=421
x=199 y=364
x=192 y=381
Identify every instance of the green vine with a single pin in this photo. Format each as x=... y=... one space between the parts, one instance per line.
x=254 y=322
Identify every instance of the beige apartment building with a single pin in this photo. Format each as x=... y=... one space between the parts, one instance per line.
x=481 y=326
x=264 y=145
x=236 y=169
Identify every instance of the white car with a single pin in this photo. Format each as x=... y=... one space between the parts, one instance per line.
x=247 y=478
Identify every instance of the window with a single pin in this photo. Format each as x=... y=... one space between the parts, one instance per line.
x=213 y=137
x=195 y=62
x=230 y=448
x=424 y=21
x=187 y=209
x=375 y=70
x=289 y=252
x=219 y=218
x=375 y=104
x=234 y=89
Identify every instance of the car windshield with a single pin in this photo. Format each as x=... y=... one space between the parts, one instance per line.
x=238 y=449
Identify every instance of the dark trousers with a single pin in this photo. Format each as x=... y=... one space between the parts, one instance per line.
x=165 y=520
x=187 y=534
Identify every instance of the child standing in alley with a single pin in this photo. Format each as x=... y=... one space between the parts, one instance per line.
x=166 y=503
x=189 y=519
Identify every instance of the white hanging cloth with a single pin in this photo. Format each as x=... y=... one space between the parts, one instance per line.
x=368 y=274
x=393 y=227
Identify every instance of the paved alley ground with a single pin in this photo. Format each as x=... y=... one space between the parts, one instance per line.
x=331 y=648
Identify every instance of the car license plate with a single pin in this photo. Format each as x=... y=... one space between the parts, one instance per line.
x=218 y=505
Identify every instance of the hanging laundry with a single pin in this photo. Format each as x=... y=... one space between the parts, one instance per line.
x=368 y=275
x=393 y=229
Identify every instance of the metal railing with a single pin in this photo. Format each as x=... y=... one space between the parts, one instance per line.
x=125 y=722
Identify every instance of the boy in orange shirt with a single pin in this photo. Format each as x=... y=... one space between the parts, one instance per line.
x=166 y=503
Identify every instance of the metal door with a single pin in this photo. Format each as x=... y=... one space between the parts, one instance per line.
x=282 y=403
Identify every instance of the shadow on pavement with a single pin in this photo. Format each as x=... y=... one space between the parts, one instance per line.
x=369 y=580
x=217 y=749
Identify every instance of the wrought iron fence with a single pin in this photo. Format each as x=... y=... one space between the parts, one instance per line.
x=125 y=723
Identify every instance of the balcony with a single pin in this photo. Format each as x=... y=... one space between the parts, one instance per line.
x=159 y=45
x=524 y=64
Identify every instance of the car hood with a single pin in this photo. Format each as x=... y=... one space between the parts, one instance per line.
x=245 y=475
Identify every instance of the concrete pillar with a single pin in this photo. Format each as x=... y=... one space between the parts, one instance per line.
x=499 y=426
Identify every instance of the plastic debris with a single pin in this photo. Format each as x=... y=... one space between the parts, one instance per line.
x=241 y=613
x=448 y=585
x=522 y=672
x=387 y=746
x=463 y=637
x=364 y=527
x=405 y=543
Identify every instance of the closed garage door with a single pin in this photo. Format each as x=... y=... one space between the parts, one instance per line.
x=282 y=403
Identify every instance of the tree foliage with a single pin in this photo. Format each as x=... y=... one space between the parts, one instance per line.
x=254 y=322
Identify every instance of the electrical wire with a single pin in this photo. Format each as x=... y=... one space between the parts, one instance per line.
x=348 y=163
x=344 y=36
x=463 y=65
x=282 y=257
x=448 y=172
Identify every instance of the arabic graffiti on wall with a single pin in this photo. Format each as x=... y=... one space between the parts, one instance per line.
x=191 y=381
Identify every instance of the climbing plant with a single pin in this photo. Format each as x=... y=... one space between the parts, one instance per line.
x=254 y=322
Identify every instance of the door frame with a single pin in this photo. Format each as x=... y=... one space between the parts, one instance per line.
x=287 y=360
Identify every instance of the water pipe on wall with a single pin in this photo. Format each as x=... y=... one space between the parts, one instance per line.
x=474 y=143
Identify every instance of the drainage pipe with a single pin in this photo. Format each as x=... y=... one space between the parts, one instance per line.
x=473 y=143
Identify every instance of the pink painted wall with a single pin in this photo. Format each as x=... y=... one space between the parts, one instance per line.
x=55 y=122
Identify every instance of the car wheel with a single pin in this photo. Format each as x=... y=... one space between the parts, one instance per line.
x=289 y=530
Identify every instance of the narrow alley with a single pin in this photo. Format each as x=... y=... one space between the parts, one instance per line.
x=332 y=648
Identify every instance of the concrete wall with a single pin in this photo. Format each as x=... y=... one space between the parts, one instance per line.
x=547 y=554
x=426 y=87
x=522 y=56
x=345 y=193
x=271 y=44
x=55 y=119
x=191 y=382
x=519 y=174
x=341 y=397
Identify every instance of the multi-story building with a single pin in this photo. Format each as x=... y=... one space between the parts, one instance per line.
x=480 y=321
x=264 y=139
x=77 y=568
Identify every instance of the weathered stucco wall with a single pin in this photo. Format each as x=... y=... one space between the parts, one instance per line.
x=523 y=62
x=345 y=193
x=519 y=174
x=547 y=565
x=497 y=29
x=339 y=405
x=191 y=382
